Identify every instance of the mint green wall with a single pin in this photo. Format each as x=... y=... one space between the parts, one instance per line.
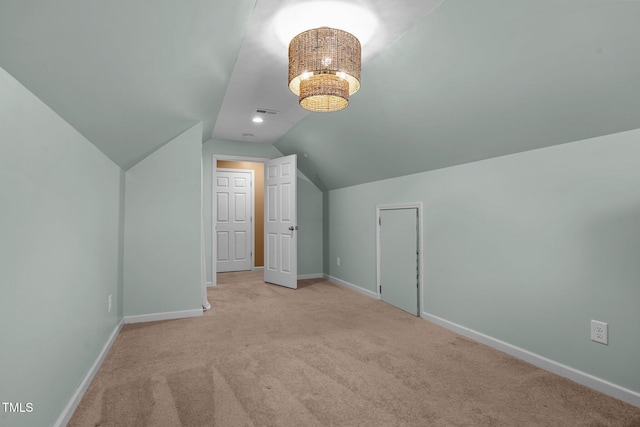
x=123 y=183
x=59 y=222
x=162 y=229
x=310 y=227
x=309 y=219
x=525 y=248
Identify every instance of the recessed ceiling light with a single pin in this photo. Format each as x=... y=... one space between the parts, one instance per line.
x=257 y=120
x=299 y=17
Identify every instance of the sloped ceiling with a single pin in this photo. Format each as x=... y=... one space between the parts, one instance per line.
x=469 y=81
x=480 y=79
x=128 y=75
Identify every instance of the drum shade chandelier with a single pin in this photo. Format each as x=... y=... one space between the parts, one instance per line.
x=324 y=68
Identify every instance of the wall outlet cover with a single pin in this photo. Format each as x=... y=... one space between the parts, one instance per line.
x=599 y=332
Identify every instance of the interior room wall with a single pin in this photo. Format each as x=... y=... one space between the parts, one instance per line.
x=258 y=203
x=309 y=198
x=60 y=218
x=120 y=304
x=162 y=229
x=525 y=248
x=310 y=211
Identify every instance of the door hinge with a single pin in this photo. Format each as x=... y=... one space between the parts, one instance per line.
x=380 y=221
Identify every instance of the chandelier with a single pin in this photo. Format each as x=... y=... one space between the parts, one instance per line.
x=324 y=68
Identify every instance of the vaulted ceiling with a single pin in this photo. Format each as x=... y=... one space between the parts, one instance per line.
x=444 y=83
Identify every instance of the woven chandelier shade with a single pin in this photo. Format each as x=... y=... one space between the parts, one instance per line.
x=324 y=68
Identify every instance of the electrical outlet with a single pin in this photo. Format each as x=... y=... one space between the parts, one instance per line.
x=599 y=332
x=110 y=303
x=338 y=261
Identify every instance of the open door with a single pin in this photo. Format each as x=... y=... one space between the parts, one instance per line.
x=280 y=222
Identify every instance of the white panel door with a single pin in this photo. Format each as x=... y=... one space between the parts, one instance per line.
x=234 y=224
x=280 y=222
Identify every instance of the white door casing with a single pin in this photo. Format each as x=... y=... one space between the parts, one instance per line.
x=233 y=219
x=280 y=222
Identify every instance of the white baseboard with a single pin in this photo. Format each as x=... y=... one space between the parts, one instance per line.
x=68 y=411
x=210 y=284
x=603 y=386
x=310 y=276
x=351 y=286
x=153 y=317
x=258 y=268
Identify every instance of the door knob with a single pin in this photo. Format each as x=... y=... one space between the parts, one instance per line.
x=293 y=228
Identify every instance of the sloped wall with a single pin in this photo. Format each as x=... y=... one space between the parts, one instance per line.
x=60 y=221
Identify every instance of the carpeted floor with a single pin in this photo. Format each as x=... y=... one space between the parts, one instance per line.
x=322 y=355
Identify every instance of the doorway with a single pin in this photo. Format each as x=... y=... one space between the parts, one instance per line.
x=279 y=176
x=257 y=167
x=399 y=260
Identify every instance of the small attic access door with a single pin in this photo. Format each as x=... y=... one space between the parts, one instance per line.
x=399 y=248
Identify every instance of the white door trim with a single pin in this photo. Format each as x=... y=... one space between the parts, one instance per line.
x=214 y=204
x=252 y=210
x=410 y=205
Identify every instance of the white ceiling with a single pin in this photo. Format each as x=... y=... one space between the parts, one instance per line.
x=442 y=84
x=259 y=79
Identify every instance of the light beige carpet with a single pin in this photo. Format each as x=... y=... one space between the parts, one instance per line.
x=322 y=355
